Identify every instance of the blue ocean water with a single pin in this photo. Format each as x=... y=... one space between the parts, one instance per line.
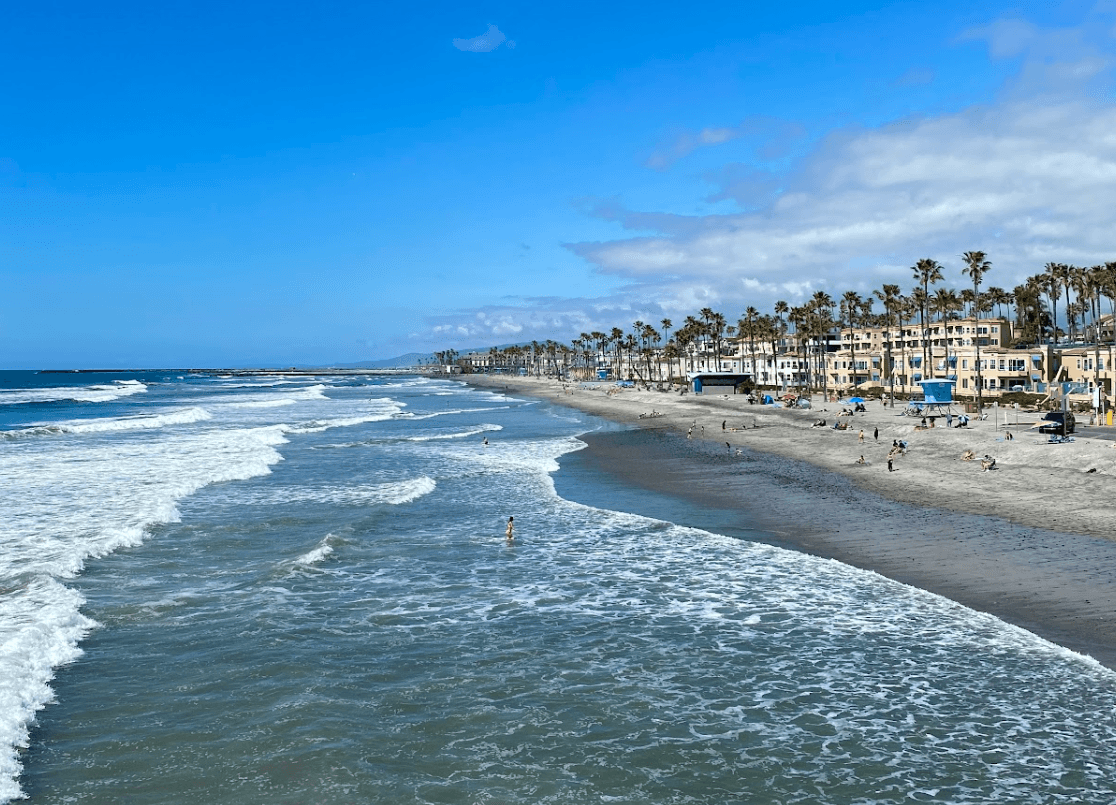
x=277 y=589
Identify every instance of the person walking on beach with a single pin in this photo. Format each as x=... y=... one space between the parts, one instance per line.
x=860 y=438
x=876 y=434
x=511 y=529
x=890 y=468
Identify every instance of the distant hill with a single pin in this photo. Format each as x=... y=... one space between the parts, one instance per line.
x=399 y=362
x=413 y=359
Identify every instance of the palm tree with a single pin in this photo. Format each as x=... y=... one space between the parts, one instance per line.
x=1030 y=315
x=747 y=327
x=666 y=325
x=820 y=318
x=927 y=272
x=797 y=317
x=976 y=266
x=998 y=297
x=921 y=303
x=891 y=297
x=945 y=302
x=850 y=312
x=1052 y=284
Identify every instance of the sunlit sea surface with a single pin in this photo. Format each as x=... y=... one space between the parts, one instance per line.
x=275 y=589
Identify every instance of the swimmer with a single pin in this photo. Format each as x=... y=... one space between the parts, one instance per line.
x=511 y=529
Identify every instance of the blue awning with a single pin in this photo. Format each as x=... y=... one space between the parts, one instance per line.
x=952 y=377
x=1034 y=376
x=917 y=360
x=1036 y=358
x=918 y=375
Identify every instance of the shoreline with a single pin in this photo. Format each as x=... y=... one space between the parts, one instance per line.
x=1046 y=562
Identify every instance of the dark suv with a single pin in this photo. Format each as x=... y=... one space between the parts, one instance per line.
x=1057 y=422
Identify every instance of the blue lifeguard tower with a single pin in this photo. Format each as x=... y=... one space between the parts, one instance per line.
x=937 y=397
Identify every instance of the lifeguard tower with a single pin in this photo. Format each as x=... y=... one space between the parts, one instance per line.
x=937 y=398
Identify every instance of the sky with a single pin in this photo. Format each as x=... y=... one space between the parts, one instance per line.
x=203 y=184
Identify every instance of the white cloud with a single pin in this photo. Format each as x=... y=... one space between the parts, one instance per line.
x=488 y=41
x=1028 y=178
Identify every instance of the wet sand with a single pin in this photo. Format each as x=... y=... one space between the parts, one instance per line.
x=1029 y=542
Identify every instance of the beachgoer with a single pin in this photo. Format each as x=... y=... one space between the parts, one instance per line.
x=861 y=460
x=876 y=434
x=486 y=441
x=723 y=423
x=728 y=447
x=890 y=468
x=511 y=529
x=860 y=438
x=1008 y=437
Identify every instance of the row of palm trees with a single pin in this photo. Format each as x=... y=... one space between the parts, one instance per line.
x=645 y=349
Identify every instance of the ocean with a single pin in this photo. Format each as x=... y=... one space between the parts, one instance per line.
x=280 y=589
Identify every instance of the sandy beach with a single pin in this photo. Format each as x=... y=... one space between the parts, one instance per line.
x=1045 y=561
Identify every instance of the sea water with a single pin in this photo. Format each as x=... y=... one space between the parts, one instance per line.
x=279 y=589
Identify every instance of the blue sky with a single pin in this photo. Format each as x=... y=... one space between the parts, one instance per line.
x=212 y=184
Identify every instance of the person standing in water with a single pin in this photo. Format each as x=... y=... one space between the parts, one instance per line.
x=511 y=529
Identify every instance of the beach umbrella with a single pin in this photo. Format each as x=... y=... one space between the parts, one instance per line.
x=856 y=399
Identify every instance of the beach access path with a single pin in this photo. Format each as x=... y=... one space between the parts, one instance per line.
x=1045 y=562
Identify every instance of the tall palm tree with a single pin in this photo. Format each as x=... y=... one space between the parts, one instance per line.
x=820 y=324
x=850 y=311
x=945 y=302
x=747 y=326
x=891 y=297
x=797 y=316
x=1030 y=314
x=976 y=266
x=1070 y=283
x=927 y=272
x=1052 y=284
x=998 y=297
x=666 y=324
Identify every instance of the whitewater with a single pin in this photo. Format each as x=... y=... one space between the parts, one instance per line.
x=263 y=588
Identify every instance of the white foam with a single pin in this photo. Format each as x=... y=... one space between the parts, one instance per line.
x=66 y=501
x=488 y=428
x=320 y=552
x=40 y=629
x=122 y=388
x=389 y=494
x=453 y=412
x=183 y=416
x=382 y=409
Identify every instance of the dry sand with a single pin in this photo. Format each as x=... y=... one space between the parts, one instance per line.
x=1047 y=562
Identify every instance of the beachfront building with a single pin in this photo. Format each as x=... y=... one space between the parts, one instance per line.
x=972 y=352
x=1087 y=367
